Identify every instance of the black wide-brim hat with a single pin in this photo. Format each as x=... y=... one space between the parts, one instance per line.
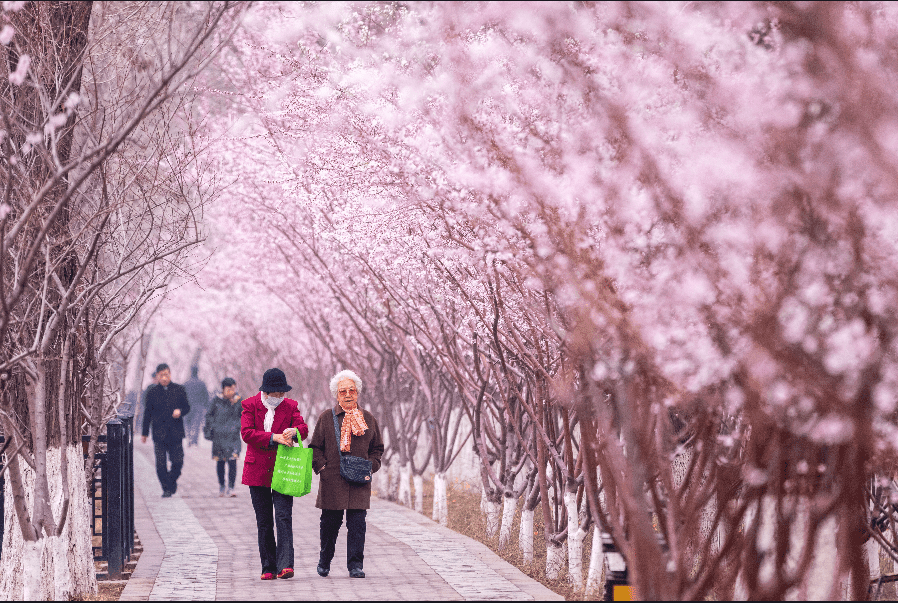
x=274 y=380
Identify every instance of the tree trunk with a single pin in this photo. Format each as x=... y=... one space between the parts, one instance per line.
x=554 y=560
x=575 y=536
x=405 y=475
x=440 y=500
x=822 y=581
x=525 y=535
x=509 y=506
x=595 y=579
x=419 y=493
x=392 y=482
x=493 y=511
x=56 y=567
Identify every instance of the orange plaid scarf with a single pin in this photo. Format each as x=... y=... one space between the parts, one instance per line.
x=353 y=424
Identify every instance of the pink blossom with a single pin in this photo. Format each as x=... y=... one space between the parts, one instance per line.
x=7 y=34
x=17 y=77
x=72 y=101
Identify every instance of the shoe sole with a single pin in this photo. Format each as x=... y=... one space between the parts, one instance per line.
x=285 y=576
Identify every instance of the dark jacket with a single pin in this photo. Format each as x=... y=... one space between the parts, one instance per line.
x=261 y=452
x=161 y=402
x=334 y=492
x=223 y=421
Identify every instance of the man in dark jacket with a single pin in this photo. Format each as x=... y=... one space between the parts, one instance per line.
x=166 y=405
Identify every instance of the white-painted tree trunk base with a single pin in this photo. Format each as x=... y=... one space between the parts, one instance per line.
x=54 y=568
x=392 y=482
x=595 y=578
x=493 y=512
x=873 y=558
x=575 y=538
x=440 y=500
x=380 y=481
x=525 y=535
x=405 y=493
x=822 y=580
x=509 y=506
x=419 y=493
x=554 y=560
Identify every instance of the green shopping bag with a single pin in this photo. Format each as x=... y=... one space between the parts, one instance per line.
x=293 y=471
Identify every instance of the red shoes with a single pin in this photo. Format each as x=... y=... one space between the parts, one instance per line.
x=268 y=576
x=287 y=572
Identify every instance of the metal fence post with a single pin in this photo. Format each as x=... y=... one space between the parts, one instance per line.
x=113 y=496
x=129 y=484
x=2 y=509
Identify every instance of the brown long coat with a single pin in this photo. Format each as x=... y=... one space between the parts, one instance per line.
x=334 y=492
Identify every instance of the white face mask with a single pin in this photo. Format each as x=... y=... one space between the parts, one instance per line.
x=273 y=399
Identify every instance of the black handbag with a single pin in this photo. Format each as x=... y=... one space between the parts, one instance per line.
x=354 y=469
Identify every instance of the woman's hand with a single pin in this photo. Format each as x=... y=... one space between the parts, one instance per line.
x=290 y=433
x=280 y=439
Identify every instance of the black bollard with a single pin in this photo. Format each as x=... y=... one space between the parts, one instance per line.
x=114 y=497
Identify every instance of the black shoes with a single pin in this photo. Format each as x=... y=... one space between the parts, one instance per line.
x=166 y=494
x=353 y=573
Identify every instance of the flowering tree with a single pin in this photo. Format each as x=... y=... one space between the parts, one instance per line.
x=87 y=225
x=645 y=248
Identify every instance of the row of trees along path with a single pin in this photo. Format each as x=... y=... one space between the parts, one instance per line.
x=637 y=257
x=100 y=198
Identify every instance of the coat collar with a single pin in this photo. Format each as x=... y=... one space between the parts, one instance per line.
x=256 y=401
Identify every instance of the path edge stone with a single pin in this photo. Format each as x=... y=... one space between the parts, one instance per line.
x=143 y=578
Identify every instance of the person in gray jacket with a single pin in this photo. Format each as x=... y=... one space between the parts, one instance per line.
x=198 y=396
x=222 y=426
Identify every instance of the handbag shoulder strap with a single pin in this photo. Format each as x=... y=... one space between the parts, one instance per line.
x=337 y=431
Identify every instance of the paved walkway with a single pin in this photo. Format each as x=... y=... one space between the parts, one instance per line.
x=198 y=546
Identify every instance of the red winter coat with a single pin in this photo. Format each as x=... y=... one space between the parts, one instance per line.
x=259 y=462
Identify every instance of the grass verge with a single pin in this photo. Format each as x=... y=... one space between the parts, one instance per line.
x=465 y=518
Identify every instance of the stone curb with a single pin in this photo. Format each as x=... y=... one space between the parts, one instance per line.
x=143 y=578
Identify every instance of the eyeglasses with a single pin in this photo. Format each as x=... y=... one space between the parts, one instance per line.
x=346 y=392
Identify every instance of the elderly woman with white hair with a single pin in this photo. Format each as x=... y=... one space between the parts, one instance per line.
x=347 y=449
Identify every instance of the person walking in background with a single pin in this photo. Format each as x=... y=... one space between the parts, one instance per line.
x=222 y=426
x=270 y=420
x=198 y=397
x=166 y=406
x=138 y=419
x=359 y=436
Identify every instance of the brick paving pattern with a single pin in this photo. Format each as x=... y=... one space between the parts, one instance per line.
x=198 y=546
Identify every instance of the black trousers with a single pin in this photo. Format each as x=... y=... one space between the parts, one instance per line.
x=232 y=472
x=273 y=509
x=355 y=536
x=175 y=452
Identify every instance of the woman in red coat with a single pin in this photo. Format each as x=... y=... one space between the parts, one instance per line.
x=269 y=420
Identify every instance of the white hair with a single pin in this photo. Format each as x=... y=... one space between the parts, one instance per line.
x=345 y=374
